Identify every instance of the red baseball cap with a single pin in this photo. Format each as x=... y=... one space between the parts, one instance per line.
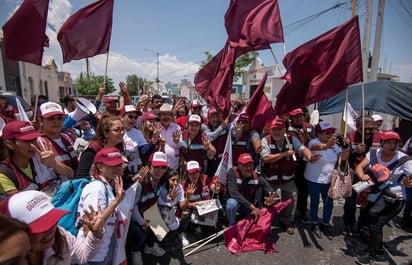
x=388 y=135
x=196 y=103
x=296 y=112
x=245 y=158
x=278 y=123
x=33 y=208
x=110 y=99
x=20 y=130
x=148 y=116
x=109 y=156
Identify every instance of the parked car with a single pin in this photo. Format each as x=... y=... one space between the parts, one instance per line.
x=11 y=99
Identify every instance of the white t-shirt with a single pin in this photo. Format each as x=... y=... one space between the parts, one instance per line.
x=132 y=139
x=165 y=205
x=321 y=171
x=99 y=193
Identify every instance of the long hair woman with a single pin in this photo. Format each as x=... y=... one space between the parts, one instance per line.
x=109 y=133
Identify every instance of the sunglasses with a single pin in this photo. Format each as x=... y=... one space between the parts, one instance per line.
x=132 y=117
x=118 y=129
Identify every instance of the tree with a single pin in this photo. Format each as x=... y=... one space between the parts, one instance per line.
x=241 y=62
x=90 y=86
x=135 y=85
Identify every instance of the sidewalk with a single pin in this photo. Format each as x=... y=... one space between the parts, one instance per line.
x=304 y=248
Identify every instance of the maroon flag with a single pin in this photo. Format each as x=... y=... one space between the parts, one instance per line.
x=24 y=33
x=259 y=107
x=250 y=235
x=253 y=23
x=322 y=67
x=214 y=81
x=87 y=32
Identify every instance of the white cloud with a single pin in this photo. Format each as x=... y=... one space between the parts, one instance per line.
x=171 y=69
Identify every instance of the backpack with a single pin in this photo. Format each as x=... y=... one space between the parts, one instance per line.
x=67 y=198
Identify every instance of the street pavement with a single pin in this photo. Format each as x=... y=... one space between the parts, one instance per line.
x=305 y=248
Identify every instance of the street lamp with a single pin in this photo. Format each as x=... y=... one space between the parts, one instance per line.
x=157 y=61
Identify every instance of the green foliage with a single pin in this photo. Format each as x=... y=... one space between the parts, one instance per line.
x=91 y=85
x=241 y=62
x=135 y=85
x=209 y=57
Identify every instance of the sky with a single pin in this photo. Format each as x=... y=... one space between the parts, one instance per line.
x=182 y=30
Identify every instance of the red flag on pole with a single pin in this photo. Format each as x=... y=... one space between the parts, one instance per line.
x=24 y=33
x=322 y=67
x=253 y=23
x=214 y=81
x=87 y=32
x=259 y=107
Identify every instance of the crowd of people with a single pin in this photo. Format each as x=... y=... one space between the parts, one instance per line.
x=167 y=157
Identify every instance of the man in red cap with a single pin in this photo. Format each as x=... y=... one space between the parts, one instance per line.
x=278 y=156
x=243 y=183
x=304 y=132
x=245 y=140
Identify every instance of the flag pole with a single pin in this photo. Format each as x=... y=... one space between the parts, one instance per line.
x=105 y=70
x=276 y=60
x=363 y=112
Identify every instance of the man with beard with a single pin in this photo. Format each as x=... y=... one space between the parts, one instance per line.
x=171 y=133
x=304 y=132
x=359 y=148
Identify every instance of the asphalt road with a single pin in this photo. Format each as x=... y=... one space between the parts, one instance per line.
x=304 y=248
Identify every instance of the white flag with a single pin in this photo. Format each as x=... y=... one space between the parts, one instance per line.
x=226 y=163
x=350 y=116
x=22 y=112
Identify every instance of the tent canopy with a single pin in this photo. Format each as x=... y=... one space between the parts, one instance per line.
x=384 y=96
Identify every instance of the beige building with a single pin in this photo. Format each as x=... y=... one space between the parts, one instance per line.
x=41 y=80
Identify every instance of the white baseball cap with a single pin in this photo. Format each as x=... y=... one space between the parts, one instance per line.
x=49 y=109
x=195 y=118
x=377 y=117
x=192 y=166
x=159 y=159
x=129 y=108
x=33 y=208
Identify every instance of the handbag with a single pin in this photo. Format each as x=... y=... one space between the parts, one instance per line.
x=341 y=182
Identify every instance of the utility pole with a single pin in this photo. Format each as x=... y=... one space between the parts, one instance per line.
x=378 y=41
x=366 y=40
x=157 y=72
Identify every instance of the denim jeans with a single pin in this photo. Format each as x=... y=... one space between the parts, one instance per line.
x=316 y=190
x=232 y=207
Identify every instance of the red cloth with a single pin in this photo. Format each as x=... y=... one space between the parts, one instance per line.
x=87 y=32
x=24 y=33
x=259 y=107
x=253 y=23
x=322 y=67
x=246 y=235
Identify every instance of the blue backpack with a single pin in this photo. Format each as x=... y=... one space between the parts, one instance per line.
x=67 y=198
